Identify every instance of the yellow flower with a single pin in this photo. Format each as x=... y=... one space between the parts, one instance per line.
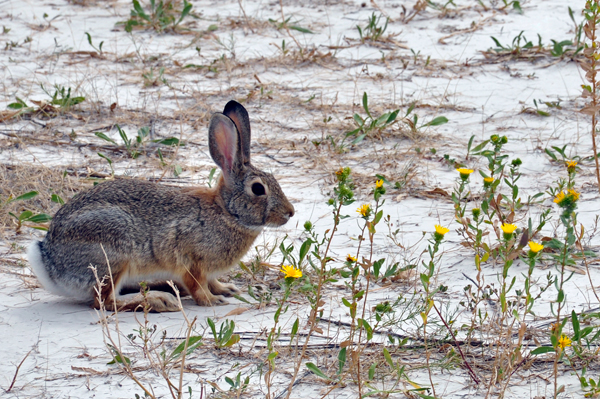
x=441 y=230
x=564 y=341
x=574 y=194
x=350 y=258
x=535 y=247
x=291 y=271
x=571 y=195
x=560 y=197
x=464 y=173
x=488 y=180
x=379 y=183
x=571 y=164
x=340 y=172
x=508 y=228
x=364 y=210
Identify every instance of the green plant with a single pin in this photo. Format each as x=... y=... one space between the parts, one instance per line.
x=287 y=25
x=373 y=31
x=225 y=337
x=62 y=97
x=37 y=220
x=151 y=79
x=162 y=16
x=99 y=48
x=373 y=126
x=136 y=146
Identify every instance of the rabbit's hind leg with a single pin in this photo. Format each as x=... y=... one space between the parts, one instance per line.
x=218 y=288
x=157 y=301
x=198 y=287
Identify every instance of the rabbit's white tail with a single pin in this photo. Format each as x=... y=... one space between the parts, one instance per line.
x=34 y=255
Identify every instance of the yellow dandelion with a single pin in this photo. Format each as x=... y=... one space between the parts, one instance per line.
x=574 y=194
x=535 y=247
x=464 y=173
x=441 y=229
x=560 y=197
x=291 y=271
x=488 y=180
x=508 y=228
x=564 y=341
x=350 y=258
x=571 y=164
x=364 y=210
x=379 y=183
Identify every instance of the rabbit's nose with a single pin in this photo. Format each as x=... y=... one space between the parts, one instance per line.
x=291 y=211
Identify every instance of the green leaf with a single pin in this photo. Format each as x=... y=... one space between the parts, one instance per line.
x=575 y=323
x=105 y=137
x=105 y=157
x=235 y=338
x=194 y=342
x=517 y=6
x=25 y=215
x=169 y=141
x=315 y=370
x=39 y=218
x=20 y=104
x=440 y=120
x=360 y=138
x=23 y=197
x=365 y=103
x=57 y=199
x=388 y=358
x=294 y=329
x=177 y=170
x=300 y=29
x=542 y=350
x=341 y=360
x=411 y=107
x=304 y=249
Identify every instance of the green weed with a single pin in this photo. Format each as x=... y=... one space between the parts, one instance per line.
x=161 y=16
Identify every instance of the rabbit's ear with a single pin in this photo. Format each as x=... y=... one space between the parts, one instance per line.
x=239 y=116
x=223 y=143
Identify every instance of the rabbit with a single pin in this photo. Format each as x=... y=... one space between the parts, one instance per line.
x=152 y=232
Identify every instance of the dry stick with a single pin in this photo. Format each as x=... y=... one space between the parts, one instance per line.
x=123 y=362
x=190 y=325
x=286 y=27
x=313 y=316
x=12 y=384
x=466 y=363
x=587 y=267
x=245 y=16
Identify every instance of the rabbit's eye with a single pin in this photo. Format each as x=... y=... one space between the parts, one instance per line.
x=258 y=189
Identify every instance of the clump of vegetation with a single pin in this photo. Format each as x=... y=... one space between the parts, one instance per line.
x=161 y=16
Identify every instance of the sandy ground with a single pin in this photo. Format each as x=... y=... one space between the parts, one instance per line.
x=301 y=105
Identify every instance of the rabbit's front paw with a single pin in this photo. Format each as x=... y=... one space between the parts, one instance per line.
x=203 y=298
